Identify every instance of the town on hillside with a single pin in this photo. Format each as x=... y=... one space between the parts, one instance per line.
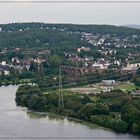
x=34 y=52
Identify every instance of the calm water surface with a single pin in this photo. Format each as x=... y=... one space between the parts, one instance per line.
x=16 y=123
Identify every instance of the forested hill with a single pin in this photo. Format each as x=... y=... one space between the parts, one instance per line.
x=69 y=27
x=55 y=35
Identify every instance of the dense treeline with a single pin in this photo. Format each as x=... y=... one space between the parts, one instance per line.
x=116 y=110
x=18 y=78
x=39 y=38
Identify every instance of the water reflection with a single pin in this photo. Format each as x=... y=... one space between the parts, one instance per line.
x=36 y=115
x=62 y=120
x=17 y=122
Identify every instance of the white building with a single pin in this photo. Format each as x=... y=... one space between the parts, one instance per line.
x=3 y=63
x=83 y=49
x=135 y=65
x=100 y=66
x=108 y=82
x=131 y=67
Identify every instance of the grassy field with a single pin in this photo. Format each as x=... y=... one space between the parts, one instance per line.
x=97 y=88
x=126 y=87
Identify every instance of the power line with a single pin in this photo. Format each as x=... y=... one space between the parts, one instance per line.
x=74 y=84
x=82 y=78
x=93 y=80
x=56 y=87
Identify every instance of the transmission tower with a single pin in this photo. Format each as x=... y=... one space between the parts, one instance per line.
x=61 y=98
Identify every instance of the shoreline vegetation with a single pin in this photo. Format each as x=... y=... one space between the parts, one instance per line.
x=115 y=110
x=35 y=114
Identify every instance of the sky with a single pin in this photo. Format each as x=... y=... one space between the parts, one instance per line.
x=76 y=13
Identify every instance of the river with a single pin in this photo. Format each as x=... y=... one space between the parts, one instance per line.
x=16 y=123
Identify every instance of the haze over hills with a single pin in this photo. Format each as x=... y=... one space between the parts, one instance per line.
x=133 y=26
x=67 y=27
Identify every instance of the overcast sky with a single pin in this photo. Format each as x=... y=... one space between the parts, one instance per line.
x=95 y=13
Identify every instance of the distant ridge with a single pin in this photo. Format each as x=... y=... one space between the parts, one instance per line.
x=69 y=27
x=133 y=26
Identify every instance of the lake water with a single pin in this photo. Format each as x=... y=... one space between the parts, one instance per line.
x=17 y=123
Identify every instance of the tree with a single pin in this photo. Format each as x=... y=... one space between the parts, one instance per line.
x=73 y=105
x=137 y=81
x=126 y=99
x=36 y=102
x=130 y=113
x=54 y=61
x=136 y=128
x=138 y=71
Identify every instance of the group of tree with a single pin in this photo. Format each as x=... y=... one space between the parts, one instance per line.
x=82 y=106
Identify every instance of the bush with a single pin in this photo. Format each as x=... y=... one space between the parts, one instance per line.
x=107 y=121
x=136 y=128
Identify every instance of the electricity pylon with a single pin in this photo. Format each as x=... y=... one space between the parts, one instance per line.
x=60 y=94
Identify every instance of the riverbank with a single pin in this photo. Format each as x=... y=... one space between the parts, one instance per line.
x=34 y=114
x=16 y=123
x=111 y=110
